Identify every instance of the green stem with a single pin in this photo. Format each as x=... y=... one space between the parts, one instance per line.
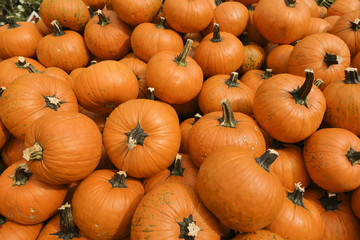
x=218 y=2
x=245 y=39
x=351 y=76
x=267 y=159
x=188 y=228
x=181 y=58
x=92 y=14
x=161 y=24
x=136 y=137
x=57 y=28
x=21 y=62
x=355 y=25
x=276 y=144
x=300 y=94
x=150 y=93
x=297 y=196
x=232 y=81
x=290 y=3
x=2 y=220
x=353 y=156
x=119 y=180
x=176 y=167
x=68 y=228
x=267 y=74
x=31 y=68
x=53 y=102
x=318 y=82
x=196 y=118
x=330 y=201
x=12 y=22
x=103 y=20
x=332 y=59
x=216 y=34
x=228 y=119
x=21 y=175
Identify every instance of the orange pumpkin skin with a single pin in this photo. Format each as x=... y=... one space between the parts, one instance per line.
x=139 y=155
x=188 y=16
x=219 y=53
x=355 y=202
x=18 y=112
x=346 y=28
x=331 y=20
x=252 y=31
x=188 y=109
x=16 y=231
x=278 y=58
x=95 y=4
x=254 y=78
x=81 y=150
x=71 y=14
x=138 y=66
x=231 y=202
x=109 y=37
x=317 y=25
x=182 y=170
x=196 y=37
x=330 y=159
x=103 y=206
x=4 y=134
x=98 y=118
x=136 y=12
x=313 y=7
x=261 y=234
x=274 y=102
x=339 y=221
x=12 y=151
x=12 y=68
x=325 y=53
x=343 y=7
x=148 y=39
x=160 y=212
x=32 y=202
x=222 y=86
x=54 y=50
x=185 y=127
x=97 y=95
x=286 y=27
x=42 y=28
x=297 y=221
x=19 y=39
x=176 y=79
x=254 y=56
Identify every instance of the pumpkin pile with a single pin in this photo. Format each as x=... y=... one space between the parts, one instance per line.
x=177 y=119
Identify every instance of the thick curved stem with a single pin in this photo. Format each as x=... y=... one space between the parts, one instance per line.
x=136 y=137
x=267 y=159
x=68 y=228
x=300 y=94
x=92 y=14
x=21 y=175
x=228 y=119
x=176 y=167
x=353 y=156
x=161 y=24
x=330 y=201
x=58 y=31
x=103 y=20
x=331 y=59
x=35 y=152
x=12 y=22
x=232 y=81
x=119 y=180
x=181 y=58
x=216 y=34
x=31 y=68
x=188 y=228
x=297 y=196
x=351 y=76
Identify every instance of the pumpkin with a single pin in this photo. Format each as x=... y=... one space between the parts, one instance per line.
x=12 y=151
x=188 y=109
x=252 y=31
x=74 y=73
x=95 y=4
x=15 y=231
x=78 y=156
x=289 y=167
x=71 y=14
x=261 y=234
x=104 y=203
x=33 y=95
x=148 y=39
x=136 y=12
x=254 y=78
x=98 y=118
x=173 y=211
x=278 y=58
x=325 y=53
x=151 y=96
x=142 y=137
x=286 y=27
x=317 y=25
x=25 y=199
x=286 y=96
x=4 y=134
x=298 y=218
x=196 y=37
x=53 y=72
x=18 y=39
x=339 y=221
x=62 y=226
x=219 y=53
x=176 y=77
x=355 y=202
x=42 y=28
x=343 y=7
x=220 y=128
x=188 y=16
x=106 y=36
x=254 y=55
x=346 y=28
x=331 y=20
x=313 y=7
x=182 y=170
x=138 y=66
x=331 y=159
x=253 y=198
x=222 y=86
x=185 y=127
x=341 y=102
x=54 y=49
x=232 y=17
x=14 y=67
x=103 y=86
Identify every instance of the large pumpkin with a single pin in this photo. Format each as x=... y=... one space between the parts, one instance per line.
x=15 y=231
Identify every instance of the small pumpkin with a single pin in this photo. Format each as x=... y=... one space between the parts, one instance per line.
x=12 y=151
x=343 y=7
x=317 y=25
x=16 y=231
x=261 y=234
x=278 y=58
x=254 y=55
x=4 y=134
x=95 y=4
x=254 y=78
x=355 y=202
x=185 y=128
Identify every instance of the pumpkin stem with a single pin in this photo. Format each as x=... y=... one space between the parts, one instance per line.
x=161 y=24
x=276 y=144
x=92 y=62
x=318 y=82
x=35 y=152
x=21 y=62
x=232 y=81
x=330 y=201
x=135 y=137
x=353 y=156
x=267 y=159
x=21 y=175
x=216 y=34
x=355 y=25
x=119 y=179
x=150 y=93
x=300 y=94
x=267 y=74
x=250 y=8
x=176 y=168
x=297 y=196
x=218 y=2
x=2 y=220
x=181 y=58
x=53 y=102
x=351 y=76
x=188 y=228
x=2 y=90
x=228 y=119
x=68 y=228
x=245 y=39
x=290 y=3
x=92 y=14
x=31 y=68
x=103 y=20
x=58 y=31
x=196 y=118
x=12 y=22
x=331 y=59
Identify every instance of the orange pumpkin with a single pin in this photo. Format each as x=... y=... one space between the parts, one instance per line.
x=12 y=151
x=185 y=128
x=278 y=58
x=254 y=55
x=341 y=7
x=261 y=234
x=15 y=231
